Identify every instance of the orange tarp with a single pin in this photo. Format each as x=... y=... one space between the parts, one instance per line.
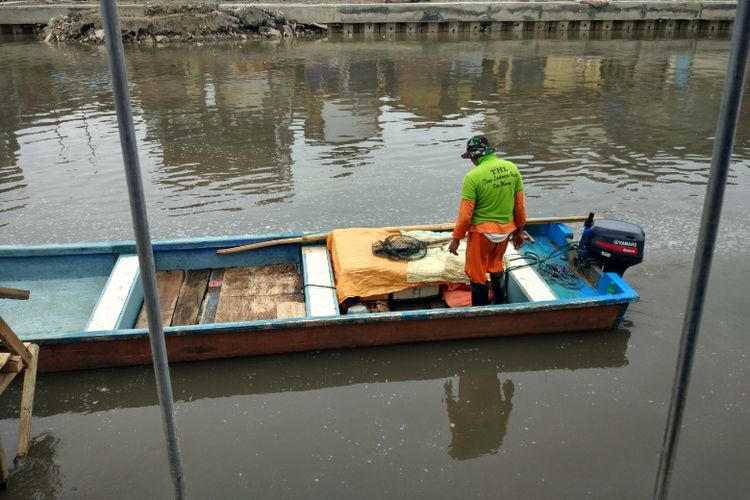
x=359 y=273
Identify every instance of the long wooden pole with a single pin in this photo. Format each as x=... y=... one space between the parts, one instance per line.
x=446 y=226
x=13 y=293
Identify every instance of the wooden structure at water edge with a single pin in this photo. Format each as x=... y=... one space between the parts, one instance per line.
x=17 y=357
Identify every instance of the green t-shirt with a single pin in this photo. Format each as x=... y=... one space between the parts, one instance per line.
x=492 y=185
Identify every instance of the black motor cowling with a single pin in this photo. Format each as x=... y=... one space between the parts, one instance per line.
x=613 y=245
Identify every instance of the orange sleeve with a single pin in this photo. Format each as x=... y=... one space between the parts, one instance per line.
x=519 y=210
x=463 y=222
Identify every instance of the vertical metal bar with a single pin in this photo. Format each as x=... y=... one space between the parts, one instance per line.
x=128 y=142
x=722 y=152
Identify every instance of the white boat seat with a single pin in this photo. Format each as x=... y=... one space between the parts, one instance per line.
x=110 y=308
x=528 y=282
x=320 y=289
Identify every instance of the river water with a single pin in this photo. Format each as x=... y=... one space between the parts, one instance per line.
x=274 y=137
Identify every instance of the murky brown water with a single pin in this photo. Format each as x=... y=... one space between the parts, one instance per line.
x=275 y=137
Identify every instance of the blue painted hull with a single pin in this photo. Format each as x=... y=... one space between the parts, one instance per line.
x=66 y=282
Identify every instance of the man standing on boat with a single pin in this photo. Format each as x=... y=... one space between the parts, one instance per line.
x=493 y=212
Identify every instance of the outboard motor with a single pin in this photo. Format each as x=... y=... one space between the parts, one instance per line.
x=612 y=245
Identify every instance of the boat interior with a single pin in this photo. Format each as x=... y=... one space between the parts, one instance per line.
x=100 y=290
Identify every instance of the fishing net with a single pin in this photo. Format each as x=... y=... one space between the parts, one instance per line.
x=399 y=247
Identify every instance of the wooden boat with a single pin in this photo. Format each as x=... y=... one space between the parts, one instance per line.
x=86 y=299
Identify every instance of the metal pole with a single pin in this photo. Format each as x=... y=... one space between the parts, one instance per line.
x=723 y=143
x=128 y=142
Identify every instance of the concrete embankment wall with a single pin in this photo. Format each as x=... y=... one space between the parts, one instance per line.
x=540 y=16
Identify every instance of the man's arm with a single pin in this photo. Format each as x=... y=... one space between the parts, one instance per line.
x=463 y=223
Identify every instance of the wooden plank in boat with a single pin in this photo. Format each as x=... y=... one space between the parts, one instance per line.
x=211 y=301
x=193 y=290
x=262 y=280
x=256 y=293
x=168 y=284
x=290 y=310
x=257 y=307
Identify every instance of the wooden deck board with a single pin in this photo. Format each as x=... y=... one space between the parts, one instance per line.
x=262 y=280
x=211 y=301
x=255 y=307
x=263 y=292
x=193 y=290
x=168 y=284
x=290 y=310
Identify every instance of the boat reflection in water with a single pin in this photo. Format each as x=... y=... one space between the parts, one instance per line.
x=352 y=397
x=476 y=363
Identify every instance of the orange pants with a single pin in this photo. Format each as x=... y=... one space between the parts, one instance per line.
x=483 y=256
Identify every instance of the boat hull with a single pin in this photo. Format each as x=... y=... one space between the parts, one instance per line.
x=68 y=282
x=337 y=333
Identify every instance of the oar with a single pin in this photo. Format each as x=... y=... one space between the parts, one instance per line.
x=446 y=226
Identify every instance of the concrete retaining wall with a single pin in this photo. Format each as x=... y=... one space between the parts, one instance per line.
x=464 y=16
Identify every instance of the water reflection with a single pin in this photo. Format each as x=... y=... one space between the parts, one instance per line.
x=469 y=384
x=230 y=127
x=478 y=414
x=473 y=362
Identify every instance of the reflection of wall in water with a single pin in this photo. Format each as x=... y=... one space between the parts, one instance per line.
x=502 y=86
x=31 y=95
x=219 y=112
x=345 y=122
x=700 y=75
x=342 y=120
x=642 y=93
x=244 y=94
x=496 y=122
x=10 y=172
x=319 y=78
x=527 y=73
x=578 y=74
x=420 y=86
x=495 y=127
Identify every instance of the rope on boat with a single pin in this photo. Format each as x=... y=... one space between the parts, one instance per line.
x=554 y=273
